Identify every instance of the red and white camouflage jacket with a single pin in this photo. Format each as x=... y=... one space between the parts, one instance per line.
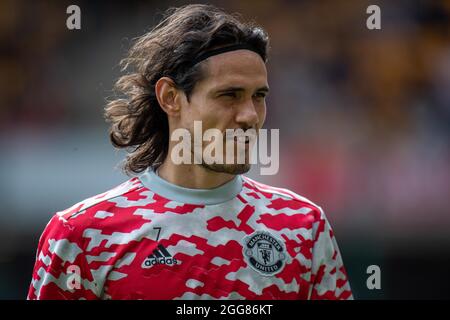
x=149 y=239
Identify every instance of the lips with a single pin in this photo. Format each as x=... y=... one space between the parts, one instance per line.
x=238 y=139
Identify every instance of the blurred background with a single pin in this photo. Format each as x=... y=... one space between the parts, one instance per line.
x=363 y=116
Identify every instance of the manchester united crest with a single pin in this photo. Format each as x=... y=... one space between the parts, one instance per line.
x=264 y=252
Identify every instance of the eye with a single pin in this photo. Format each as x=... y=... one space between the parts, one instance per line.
x=229 y=94
x=260 y=95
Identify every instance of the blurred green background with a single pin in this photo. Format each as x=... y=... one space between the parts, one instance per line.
x=363 y=118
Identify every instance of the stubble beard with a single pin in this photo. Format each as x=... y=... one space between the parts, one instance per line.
x=227 y=168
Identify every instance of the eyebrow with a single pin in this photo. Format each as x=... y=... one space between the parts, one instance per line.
x=228 y=89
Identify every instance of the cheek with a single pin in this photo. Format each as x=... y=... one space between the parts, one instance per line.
x=195 y=110
x=211 y=115
x=262 y=115
x=215 y=113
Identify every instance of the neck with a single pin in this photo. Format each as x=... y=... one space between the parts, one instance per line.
x=192 y=176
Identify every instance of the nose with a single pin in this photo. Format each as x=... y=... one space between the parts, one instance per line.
x=247 y=115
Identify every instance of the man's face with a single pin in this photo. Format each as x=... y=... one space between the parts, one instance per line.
x=230 y=96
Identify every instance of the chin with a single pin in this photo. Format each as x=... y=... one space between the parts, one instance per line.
x=228 y=168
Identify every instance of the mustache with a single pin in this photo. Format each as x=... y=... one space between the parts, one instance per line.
x=241 y=133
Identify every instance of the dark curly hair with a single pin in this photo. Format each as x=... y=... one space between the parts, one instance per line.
x=138 y=123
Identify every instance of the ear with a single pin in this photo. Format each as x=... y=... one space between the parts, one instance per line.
x=168 y=96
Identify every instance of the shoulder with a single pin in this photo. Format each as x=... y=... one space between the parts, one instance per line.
x=98 y=205
x=103 y=211
x=294 y=209
x=283 y=198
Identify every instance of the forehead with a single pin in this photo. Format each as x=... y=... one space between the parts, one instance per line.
x=242 y=68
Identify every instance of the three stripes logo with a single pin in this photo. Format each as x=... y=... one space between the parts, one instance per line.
x=159 y=256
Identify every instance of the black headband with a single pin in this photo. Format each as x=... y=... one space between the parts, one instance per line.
x=207 y=54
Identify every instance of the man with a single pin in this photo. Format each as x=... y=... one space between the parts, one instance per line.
x=197 y=230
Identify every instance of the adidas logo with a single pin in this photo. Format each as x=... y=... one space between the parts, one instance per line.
x=159 y=256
